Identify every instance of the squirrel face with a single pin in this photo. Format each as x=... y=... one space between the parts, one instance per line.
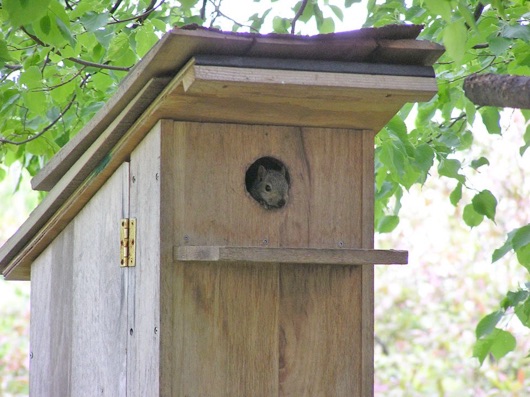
x=270 y=188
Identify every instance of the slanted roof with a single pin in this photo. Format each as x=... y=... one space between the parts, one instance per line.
x=356 y=79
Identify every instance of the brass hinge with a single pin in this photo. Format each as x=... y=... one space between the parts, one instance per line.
x=128 y=242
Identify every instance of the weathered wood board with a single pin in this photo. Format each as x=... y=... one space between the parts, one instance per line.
x=79 y=303
x=254 y=329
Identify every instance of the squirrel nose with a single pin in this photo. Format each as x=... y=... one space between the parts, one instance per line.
x=281 y=203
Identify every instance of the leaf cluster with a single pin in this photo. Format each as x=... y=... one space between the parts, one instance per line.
x=479 y=36
x=61 y=60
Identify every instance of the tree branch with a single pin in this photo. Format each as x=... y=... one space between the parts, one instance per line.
x=478 y=11
x=203 y=9
x=98 y=65
x=45 y=129
x=78 y=60
x=498 y=90
x=219 y=13
x=142 y=17
x=115 y=6
x=298 y=15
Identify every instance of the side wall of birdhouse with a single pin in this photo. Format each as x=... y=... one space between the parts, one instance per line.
x=239 y=329
x=79 y=331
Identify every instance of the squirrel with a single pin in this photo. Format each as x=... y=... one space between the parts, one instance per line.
x=270 y=188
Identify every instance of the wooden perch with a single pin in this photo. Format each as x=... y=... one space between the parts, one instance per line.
x=498 y=90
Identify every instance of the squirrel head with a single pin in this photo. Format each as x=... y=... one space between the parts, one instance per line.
x=270 y=188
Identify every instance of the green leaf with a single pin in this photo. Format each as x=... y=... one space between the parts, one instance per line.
x=503 y=343
x=63 y=91
x=92 y=21
x=65 y=31
x=450 y=168
x=37 y=147
x=476 y=164
x=45 y=24
x=280 y=25
x=4 y=52
x=467 y=14
x=440 y=7
x=488 y=323
x=516 y=32
x=523 y=256
x=398 y=127
x=506 y=247
x=337 y=11
x=498 y=343
x=485 y=203
x=456 y=194
x=326 y=26
x=491 y=119
x=24 y=12
x=498 y=45
x=387 y=223
x=454 y=39
x=513 y=299
x=348 y=3
x=31 y=77
x=521 y=237
x=392 y=157
x=145 y=38
x=526 y=138
x=35 y=101
x=423 y=159
x=471 y=217
x=522 y=311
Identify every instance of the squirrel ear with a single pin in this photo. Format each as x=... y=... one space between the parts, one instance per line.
x=261 y=172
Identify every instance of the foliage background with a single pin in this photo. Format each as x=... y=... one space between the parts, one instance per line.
x=450 y=178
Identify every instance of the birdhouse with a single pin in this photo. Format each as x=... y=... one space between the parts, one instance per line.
x=210 y=231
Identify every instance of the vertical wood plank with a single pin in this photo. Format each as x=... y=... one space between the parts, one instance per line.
x=221 y=333
x=145 y=322
x=79 y=303
x=320 y=326
x=52 y=319
x=367 y=332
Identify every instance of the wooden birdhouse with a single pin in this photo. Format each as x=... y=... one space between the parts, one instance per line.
x=159 y=262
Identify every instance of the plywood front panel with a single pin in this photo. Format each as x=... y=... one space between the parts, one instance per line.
x=212 y=206
x=79 y=303
x=263 y=329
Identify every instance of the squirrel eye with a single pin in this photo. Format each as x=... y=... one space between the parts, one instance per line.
x=268 y=188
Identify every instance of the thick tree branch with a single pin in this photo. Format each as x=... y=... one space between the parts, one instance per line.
x=498 y=90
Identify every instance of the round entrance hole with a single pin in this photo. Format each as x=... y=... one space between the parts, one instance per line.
x=268 y=181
